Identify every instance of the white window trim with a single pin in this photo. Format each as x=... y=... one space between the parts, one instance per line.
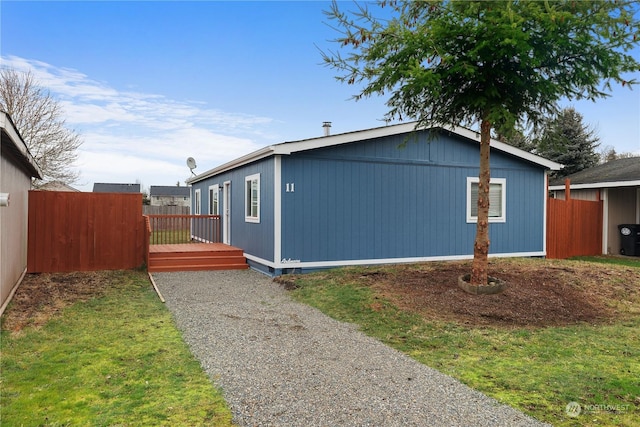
x=197 y=206
x=248 y=218
x=503 y=183
x=214 y=189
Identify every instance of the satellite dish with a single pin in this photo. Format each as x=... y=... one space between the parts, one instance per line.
x=191 y=162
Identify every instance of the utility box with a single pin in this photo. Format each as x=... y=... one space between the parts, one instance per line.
x=629 y=239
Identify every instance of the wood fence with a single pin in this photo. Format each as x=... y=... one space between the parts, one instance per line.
x=71 y=231
x=574 y=227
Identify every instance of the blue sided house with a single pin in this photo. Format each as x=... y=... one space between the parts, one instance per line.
x=386 y=195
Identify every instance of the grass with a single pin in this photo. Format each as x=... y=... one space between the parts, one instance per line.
x=615 y=260
x=171 y=236
x=538 y=371
x=113 y=360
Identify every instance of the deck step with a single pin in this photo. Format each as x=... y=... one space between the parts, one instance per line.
x=194 y=258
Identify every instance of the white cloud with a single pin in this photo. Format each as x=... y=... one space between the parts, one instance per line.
x=138 y=136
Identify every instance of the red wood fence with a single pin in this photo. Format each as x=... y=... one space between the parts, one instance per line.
x=84 y=231
x=574 y=227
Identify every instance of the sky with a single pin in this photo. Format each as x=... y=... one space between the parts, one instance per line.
x=148 y=84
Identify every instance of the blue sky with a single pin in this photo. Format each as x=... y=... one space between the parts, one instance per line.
x=148 y=84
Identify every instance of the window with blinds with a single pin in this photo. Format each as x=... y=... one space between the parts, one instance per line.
x=497 y=199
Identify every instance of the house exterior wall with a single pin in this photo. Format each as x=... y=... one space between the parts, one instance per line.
x=389 y=199
x=589 y=194
x=13 y=224
x=170 y=201
x=621 y=206
x=256 y=239
x=375 y=201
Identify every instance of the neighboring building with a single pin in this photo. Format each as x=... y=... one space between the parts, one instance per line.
x=57 y=186
x=383 y=195
x=17 y=168
x=161 y=195
x=100 y=187
x=617 y=184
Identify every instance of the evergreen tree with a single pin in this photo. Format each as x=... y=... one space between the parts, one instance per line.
x=495 y=63
x=567 y=140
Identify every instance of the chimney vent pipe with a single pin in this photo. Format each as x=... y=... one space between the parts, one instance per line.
x=327 y=128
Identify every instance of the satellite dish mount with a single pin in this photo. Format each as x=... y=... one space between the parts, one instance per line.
x=191 y=162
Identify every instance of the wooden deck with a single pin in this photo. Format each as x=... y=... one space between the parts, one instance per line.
x=195 y=256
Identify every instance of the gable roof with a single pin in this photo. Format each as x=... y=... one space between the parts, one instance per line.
x=169 y=190
x=57 y=186
x=286 y=148
x=615 y=173
x=102 y=187
x=13 y=142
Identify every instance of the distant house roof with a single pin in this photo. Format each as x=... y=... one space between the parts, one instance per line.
x=286 y=148
x=56 y=186
x=100 y=187
x=616 y=173
x=14 y=144
x=169 y=190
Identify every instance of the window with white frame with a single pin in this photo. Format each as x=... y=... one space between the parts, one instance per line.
x=252 y=198
x=497 y=199
x=197 y=202
x=214 y=192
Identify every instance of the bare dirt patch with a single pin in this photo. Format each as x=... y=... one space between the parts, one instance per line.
x=539 y=293
x=42 y=296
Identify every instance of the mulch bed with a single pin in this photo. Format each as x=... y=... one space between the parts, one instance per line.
x=536 y=295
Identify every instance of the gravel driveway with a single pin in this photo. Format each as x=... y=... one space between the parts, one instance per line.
x=281 y=363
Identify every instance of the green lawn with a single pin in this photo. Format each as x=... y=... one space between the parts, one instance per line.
x=537 y=370
x=117 y=359
x=618 y=260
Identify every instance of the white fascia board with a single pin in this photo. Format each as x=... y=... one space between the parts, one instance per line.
x=251 y=157
x=612 y=184
x=506 y=148
x=7 y=125
x=343 y=138
x=286 y=148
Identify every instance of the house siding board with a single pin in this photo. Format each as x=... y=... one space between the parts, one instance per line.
x=374 y=200
x=254 y=238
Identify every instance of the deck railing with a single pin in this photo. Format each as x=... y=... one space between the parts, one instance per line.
x=176 y=229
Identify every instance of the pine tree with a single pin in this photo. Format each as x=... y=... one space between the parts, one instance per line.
x=567 y=140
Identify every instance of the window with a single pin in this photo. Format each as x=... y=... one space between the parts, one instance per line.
x=252 y=198
x=497 y=200
x=214 y=192
x=197 y=202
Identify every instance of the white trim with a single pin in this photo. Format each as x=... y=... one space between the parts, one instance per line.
x=604 y=196
x=638 y=206
x=226 y=218
x=277 y=207
x=344 y=263
x=248 y=198
x=12 y=292
x=197 y=202
x=545 y=196
x=286 y=148
x=216 y=190
x=610 y=184
x=16 y=140
x=501 y=181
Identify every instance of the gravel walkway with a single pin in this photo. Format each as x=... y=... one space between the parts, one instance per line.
x=281 y=363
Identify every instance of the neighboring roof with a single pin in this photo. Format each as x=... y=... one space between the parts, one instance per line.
x=13 y=142
x=169 y=190
x=286 y=148
x=100 y=187
x=57 y=186
x=615 y=173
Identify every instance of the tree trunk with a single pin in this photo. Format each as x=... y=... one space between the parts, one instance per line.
x=480 y=266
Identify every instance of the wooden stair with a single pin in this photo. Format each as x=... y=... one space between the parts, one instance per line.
x=195 y=256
